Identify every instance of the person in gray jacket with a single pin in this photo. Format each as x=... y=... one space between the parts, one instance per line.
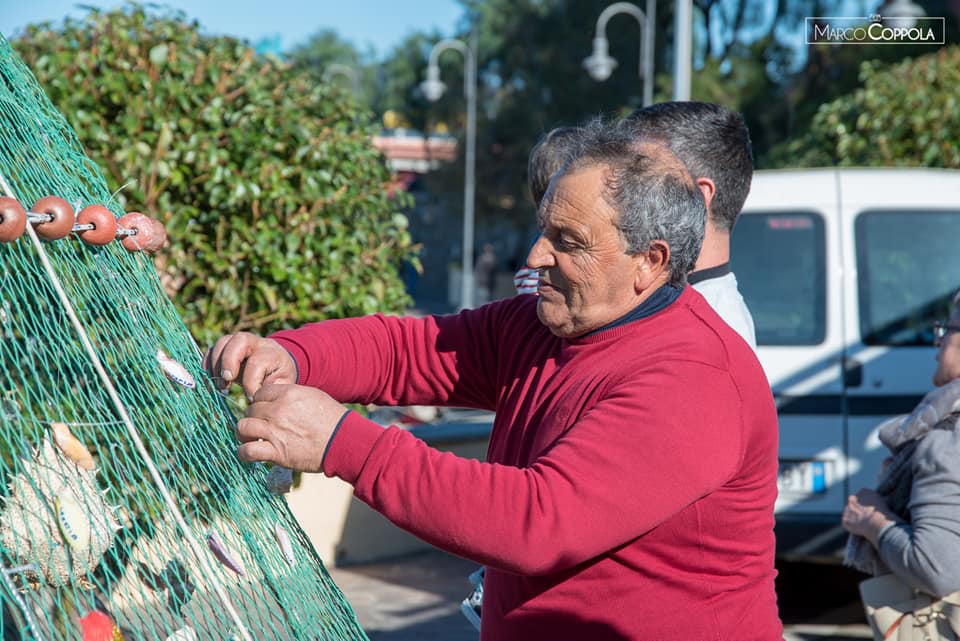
x=910 y=525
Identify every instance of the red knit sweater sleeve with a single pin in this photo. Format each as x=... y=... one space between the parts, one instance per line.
x=389 y=360
x=642 y=454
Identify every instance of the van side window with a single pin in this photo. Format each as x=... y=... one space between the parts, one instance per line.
x=908 y=267
x=780 y=263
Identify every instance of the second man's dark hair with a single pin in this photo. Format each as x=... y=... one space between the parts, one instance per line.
x=712 y=141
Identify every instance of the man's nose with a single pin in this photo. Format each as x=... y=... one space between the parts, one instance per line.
x=540 y=254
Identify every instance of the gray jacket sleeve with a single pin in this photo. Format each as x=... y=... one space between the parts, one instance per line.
x=926 y=552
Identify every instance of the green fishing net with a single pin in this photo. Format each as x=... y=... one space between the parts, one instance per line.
x=124 y=510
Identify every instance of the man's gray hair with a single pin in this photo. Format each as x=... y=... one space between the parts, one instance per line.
x=650 y=188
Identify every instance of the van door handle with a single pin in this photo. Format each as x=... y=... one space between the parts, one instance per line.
x=852 y=372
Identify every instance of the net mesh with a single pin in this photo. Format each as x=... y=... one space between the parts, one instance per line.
x=168 y=535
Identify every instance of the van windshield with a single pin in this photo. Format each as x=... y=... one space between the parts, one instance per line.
x=908 y=268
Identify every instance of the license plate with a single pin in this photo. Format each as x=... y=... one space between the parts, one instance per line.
x=802 y=477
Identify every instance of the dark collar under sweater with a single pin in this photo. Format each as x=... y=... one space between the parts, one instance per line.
x=658 y=300
x=710 y=272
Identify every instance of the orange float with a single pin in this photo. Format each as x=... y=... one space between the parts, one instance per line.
x=147 y=234
x=60 y=218
x=98 y=224
x=13 y=219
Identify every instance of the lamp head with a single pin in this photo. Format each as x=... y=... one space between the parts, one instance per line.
x=900 y=13
x=432 y=87
x=599 y=64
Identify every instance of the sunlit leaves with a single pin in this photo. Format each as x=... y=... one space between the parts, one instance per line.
x=273 y=197
x=903 y=115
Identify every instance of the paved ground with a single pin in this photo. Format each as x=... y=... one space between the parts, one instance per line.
x=418 y=599
x=413 y=599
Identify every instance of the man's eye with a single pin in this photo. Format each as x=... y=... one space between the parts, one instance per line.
x=563 y=242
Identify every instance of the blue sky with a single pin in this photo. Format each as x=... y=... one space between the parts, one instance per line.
x=381 y=24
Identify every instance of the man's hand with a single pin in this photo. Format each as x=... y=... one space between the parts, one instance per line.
x=251 y=360
x=867 y=514
x=289 y=425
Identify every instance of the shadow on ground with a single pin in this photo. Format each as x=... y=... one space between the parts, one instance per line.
x=820 y=602
x=811 y=593
x=417 y=598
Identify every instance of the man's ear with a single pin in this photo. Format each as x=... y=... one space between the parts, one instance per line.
x=652 y=265
x=708 y=189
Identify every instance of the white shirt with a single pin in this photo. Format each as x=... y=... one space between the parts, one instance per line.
x=721 y=292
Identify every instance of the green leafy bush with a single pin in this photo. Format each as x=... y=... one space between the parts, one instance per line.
x=276 y=203
x=908 y=114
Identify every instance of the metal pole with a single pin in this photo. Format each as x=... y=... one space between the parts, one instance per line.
x=433 y=89
x=649 y=45
x=470 y=89
x=682 y=49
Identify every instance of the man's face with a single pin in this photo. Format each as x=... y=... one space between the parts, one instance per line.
x=948 y=354
x=586 y=278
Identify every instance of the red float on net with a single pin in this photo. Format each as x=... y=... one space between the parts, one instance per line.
x=59 y=218
x=149 y=234
x=97 y=225
x=13 y=219
x=53 y=219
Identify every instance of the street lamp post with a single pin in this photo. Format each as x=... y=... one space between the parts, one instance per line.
x=432 y=89
x=682 y=49
x=599 y=64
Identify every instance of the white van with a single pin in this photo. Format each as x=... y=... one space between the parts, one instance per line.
x=845 y=272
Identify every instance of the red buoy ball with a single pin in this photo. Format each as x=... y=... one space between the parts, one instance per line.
x=104 y=225
x=150 y=234
x=62 y=223
x=13 y=219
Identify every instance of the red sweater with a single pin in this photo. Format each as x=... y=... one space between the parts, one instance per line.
x=631 y=474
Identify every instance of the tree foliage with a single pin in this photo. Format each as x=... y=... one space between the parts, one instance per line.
x=908 y=114
x=330 y=59
x=747 y=56
x=323 y=48
x=532 y=79
x=275 y=201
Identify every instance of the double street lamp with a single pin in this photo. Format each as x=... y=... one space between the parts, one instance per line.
x=600 y=64
x=432 y=88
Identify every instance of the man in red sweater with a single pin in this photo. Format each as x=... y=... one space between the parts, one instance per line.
x=631 y=474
